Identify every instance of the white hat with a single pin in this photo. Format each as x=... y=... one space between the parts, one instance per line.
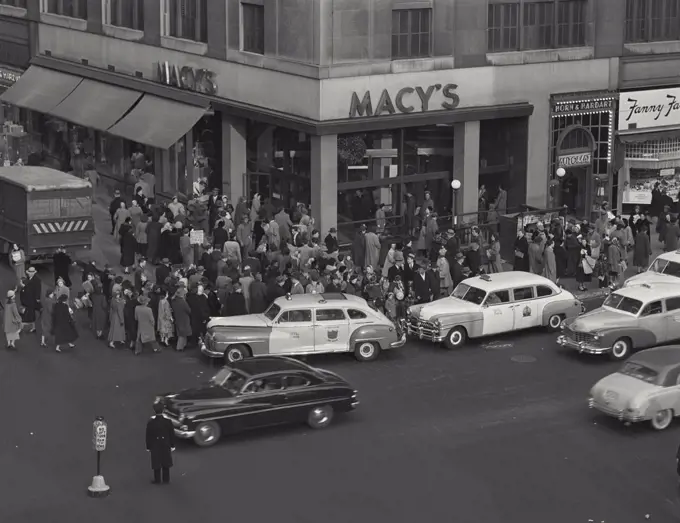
x=10 y=294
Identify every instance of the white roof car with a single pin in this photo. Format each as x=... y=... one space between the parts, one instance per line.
x=304 y=324
x=493 y=304
x=664 y=269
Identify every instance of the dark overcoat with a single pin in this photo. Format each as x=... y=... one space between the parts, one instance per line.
x=30 y=297
x=258 y=297
x=160 y=440
x=153 y=238
x=130 y=320
x=200 y=312
x=182 y=315
x=128 y=246
x=63 y=326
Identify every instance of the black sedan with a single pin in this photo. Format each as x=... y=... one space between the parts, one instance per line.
x=258 y=392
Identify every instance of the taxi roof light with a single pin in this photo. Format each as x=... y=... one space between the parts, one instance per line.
x=485 y=277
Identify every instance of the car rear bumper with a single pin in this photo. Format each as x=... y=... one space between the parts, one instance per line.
x=624 y=416
x=564 y=341
x=399 y=343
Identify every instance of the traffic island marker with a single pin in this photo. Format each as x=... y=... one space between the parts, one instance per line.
x=99 y=488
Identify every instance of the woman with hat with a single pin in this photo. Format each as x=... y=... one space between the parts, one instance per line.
x=17 y=259
x=63 y=325
x=445 y=281
x=116 y=319
x=46 y=317
x=99 y=308
x=128 y=246
x=29 y=301
x=146 y=328
x=13 y=322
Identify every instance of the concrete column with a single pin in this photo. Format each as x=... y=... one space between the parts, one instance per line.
x=538 y=155
x=191 y=173
x=325 y=182
x=466 y=167
x=233 y=156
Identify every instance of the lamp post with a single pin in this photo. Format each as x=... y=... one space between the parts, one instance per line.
x=455 y=185
x=560 y=172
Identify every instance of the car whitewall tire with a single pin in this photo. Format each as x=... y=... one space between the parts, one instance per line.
x=320 y=417
x=456 y=338
x=366 y=351
x=620 y=349
x=662 y=419
x=554 y=322
x=207 y=434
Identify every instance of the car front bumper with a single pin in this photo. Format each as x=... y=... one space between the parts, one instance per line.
x=588 y=348
x=425 y=333
x=210 y=351
x=399 y=343
x=625 y=416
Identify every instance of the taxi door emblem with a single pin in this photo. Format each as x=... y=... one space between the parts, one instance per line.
x=332 y=335
x=527 y=311
x=294 y=335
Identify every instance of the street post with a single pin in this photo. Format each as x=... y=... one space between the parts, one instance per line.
x=99 y=488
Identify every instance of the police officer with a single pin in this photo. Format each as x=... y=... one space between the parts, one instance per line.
x=160 y=442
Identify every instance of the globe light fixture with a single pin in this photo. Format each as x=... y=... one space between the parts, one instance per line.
x=455 y=185
x=561 y=172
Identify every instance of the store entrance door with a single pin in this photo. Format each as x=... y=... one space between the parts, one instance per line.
x=257 y=183
x=282 y=189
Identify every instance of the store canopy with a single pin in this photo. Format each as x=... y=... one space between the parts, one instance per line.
x=158 y=122
x=41 y=89
x=96 y=105
x=648 y=136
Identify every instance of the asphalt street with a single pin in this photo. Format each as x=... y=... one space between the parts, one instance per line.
x=494 y=432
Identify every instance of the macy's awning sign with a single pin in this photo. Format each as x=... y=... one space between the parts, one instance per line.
x=406 y=100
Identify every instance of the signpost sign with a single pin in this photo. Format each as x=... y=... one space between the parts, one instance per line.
x=196 y=237
x=99 y=430
x=99 y=488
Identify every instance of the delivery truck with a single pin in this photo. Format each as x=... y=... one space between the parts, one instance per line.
x=42 y=209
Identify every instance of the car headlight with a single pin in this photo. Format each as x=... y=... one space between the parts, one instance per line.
x=438 y=323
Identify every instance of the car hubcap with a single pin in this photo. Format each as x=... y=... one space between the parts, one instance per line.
x=555 y=322
x=619 y=349
x=320 y=416
x=235 y=355
x=207 y=434
x=456 y=338
x=662 y=417
x=366 y=350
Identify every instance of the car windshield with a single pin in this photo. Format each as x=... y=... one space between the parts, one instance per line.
x=467 y=293
x=229 y=379
x=272 y=312
x=665 y=267
x=623 y=303
x=639 y=372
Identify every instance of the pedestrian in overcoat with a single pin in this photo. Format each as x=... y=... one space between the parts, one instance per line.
x=521 y=253
x=258 y=295
x=116 y=320
x=129 y=318
x=128 y=247
x=99 y=308
x=549 y=263
x=153 y=238
x=165 y=323
x=17 y=259
x=63 y=324
x=62 y=262
x=160 y=442
x=31 y=296
x=12 y=320
x=643 y=250
x=146 y=326
x=46 y=317
x=200 y=312
x=359 y=247
x=182 y=314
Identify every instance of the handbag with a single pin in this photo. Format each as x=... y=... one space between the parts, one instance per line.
x=588 y=265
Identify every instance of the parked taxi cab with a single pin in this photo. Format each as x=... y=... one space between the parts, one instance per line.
x=304 y=324
x=493 y=304
x=663 y=270
x=646 y=388
x=635 y=317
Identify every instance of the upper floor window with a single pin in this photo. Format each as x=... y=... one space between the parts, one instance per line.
x=411 y=33
x=186 y=19
x=652 y=20
x=72 y=8
x=124 y=13
x=14 y=3
x=524 y=25
x=253 y=27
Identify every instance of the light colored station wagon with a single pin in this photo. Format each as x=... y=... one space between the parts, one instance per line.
x=304 y=324
x=493 y=304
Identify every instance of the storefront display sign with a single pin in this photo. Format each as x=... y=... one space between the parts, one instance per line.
x=649 y=109
x=583 y=106
x=406 y=100
x=186 y=77
x=574 y=160
x=638 y=191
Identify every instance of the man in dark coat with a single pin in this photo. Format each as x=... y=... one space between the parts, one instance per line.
x=113 y=207
x=153 y=238
x=521 y=253
x=163 y=271
x=62 y=266
x=359 y=247
x=129 y=317
x=31 y=296
x=258 y=295
x=235 y=304
x=421 y=286
x=160 y=442
x=140 y=275
x=456 y=269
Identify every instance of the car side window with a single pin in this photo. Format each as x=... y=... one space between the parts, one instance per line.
x=299 y=316
x=330 y=315
x=355 y=314
x=523 y=293
x=295 y=382
x=543 y=290
x=651 y=309
x=673 y=304
x=263 y=385
x=498 y=297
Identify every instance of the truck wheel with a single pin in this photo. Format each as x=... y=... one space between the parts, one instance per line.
x=236 y=353
x=456 y=338
x=620 y=349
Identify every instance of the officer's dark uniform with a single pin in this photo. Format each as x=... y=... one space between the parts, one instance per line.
x=160 y=441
